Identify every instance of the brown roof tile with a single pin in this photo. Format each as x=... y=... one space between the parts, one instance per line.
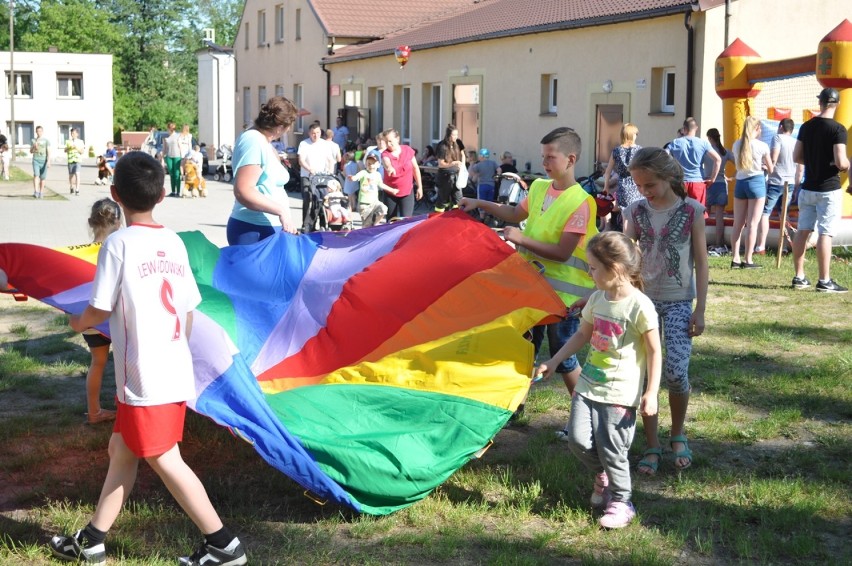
x=485 y=19
x=377 y=18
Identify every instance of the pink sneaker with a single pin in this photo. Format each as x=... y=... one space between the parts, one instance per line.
x=618 y=514
x=600 y=496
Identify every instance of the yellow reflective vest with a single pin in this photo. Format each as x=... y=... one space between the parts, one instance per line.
x=570 y=279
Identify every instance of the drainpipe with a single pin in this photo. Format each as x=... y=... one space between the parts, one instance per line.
x=328 y=85
x=690 y=61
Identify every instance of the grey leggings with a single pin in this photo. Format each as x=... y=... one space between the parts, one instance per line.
x=674 y=327
x=600 y=435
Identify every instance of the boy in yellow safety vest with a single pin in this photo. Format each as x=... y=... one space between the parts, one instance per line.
x=560 y=219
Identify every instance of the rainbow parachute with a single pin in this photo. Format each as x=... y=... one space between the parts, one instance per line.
x=367 y=366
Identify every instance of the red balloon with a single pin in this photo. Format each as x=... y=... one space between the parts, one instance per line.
x=402 y=54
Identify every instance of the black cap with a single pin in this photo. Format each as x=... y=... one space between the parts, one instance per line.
x=828 y=96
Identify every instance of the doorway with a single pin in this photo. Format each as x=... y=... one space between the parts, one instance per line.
x=608 y=121
x=466 y=113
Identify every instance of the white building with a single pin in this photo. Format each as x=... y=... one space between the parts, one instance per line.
x=216 y=96
x=58 y=91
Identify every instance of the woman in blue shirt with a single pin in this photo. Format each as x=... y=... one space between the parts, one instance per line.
x=262 y=207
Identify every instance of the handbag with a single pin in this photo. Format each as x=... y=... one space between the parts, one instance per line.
x=461 y=178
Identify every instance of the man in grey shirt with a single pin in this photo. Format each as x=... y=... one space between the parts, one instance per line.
x=785 y=171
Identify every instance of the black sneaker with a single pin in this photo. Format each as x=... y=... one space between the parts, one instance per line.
x=209 y=555
x=76 y=550
x=830 y=287
x=801 y=283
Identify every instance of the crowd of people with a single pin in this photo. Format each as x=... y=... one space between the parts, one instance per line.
x=636 y=293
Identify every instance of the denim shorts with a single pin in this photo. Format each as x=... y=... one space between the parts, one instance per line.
x=557 y=334
x=40 y=169
x=750 y=187
x=717 y=194
x=820 y=210
x=773 y=197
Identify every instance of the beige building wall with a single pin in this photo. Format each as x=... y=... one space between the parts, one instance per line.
x=510 y=72
x=280 y=64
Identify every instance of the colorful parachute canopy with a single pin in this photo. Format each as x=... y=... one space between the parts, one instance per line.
x=367 y=366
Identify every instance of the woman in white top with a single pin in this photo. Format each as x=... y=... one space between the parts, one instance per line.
x=751 y=157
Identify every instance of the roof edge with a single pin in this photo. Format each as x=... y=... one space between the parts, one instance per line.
x=545 y=28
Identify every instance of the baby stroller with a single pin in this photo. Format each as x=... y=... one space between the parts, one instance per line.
x=319 y=189
x=224 y=171
x=510 y=190
x=335 y=208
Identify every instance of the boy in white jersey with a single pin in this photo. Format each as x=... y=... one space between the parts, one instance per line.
x=144 y=287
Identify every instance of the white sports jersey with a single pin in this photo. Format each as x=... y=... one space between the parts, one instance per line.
x=143 y=278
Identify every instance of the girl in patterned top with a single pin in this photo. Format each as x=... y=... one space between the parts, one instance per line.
x=669 y=227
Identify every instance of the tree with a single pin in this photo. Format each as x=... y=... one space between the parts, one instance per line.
x=222 y=16
x=26 y=16
x=153 y=44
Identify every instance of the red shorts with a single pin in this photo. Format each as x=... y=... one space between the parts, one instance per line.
x=698 y=191
x=150 y=431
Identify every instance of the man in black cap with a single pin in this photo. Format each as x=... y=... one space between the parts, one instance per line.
x=821 y=148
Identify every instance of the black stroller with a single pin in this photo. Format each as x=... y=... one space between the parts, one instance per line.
x=511 y=190
x=319 y=188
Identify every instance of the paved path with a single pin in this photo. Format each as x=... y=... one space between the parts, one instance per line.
x=59 y=219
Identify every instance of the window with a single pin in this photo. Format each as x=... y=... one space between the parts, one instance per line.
x=352 y=97
x=298 y=92
x=549 y=88
x=261 y=28
x=246 y=35
x=24 y=132
x=65 y=132
x=261 y=96
x=663 y=90
x=405 y=115
x=298 y=24
x=379 y=110
x=23 y=87
x=435 y=119
x=247 y=117
x=667 y=103
x=279 y=90
x=69 y=86
x=279 y=23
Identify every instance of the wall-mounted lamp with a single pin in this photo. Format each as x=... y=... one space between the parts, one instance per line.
x=607 y=86
x=465 y=70
x=351 y=79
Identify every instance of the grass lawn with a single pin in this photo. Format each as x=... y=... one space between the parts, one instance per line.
x=770 y=423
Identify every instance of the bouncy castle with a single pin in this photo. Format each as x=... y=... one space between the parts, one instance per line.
x=741 y=75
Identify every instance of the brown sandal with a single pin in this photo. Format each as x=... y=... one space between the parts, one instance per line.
x=101 y=416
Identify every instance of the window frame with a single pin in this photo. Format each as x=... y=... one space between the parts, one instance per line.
x=405 y=115
x=246 y=34
x=261 y=28
x=69 y=77
x=552 y=93
x=280 y=23
x=298 y=98
x=436 y=113
x=247 y=117
x=298 y=24
x=19 y=75
x=665 y=90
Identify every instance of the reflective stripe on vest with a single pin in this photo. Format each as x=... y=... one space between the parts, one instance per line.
x=570 y=279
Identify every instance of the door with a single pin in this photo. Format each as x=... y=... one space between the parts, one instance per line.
x=466 y=114
x=609 y=119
